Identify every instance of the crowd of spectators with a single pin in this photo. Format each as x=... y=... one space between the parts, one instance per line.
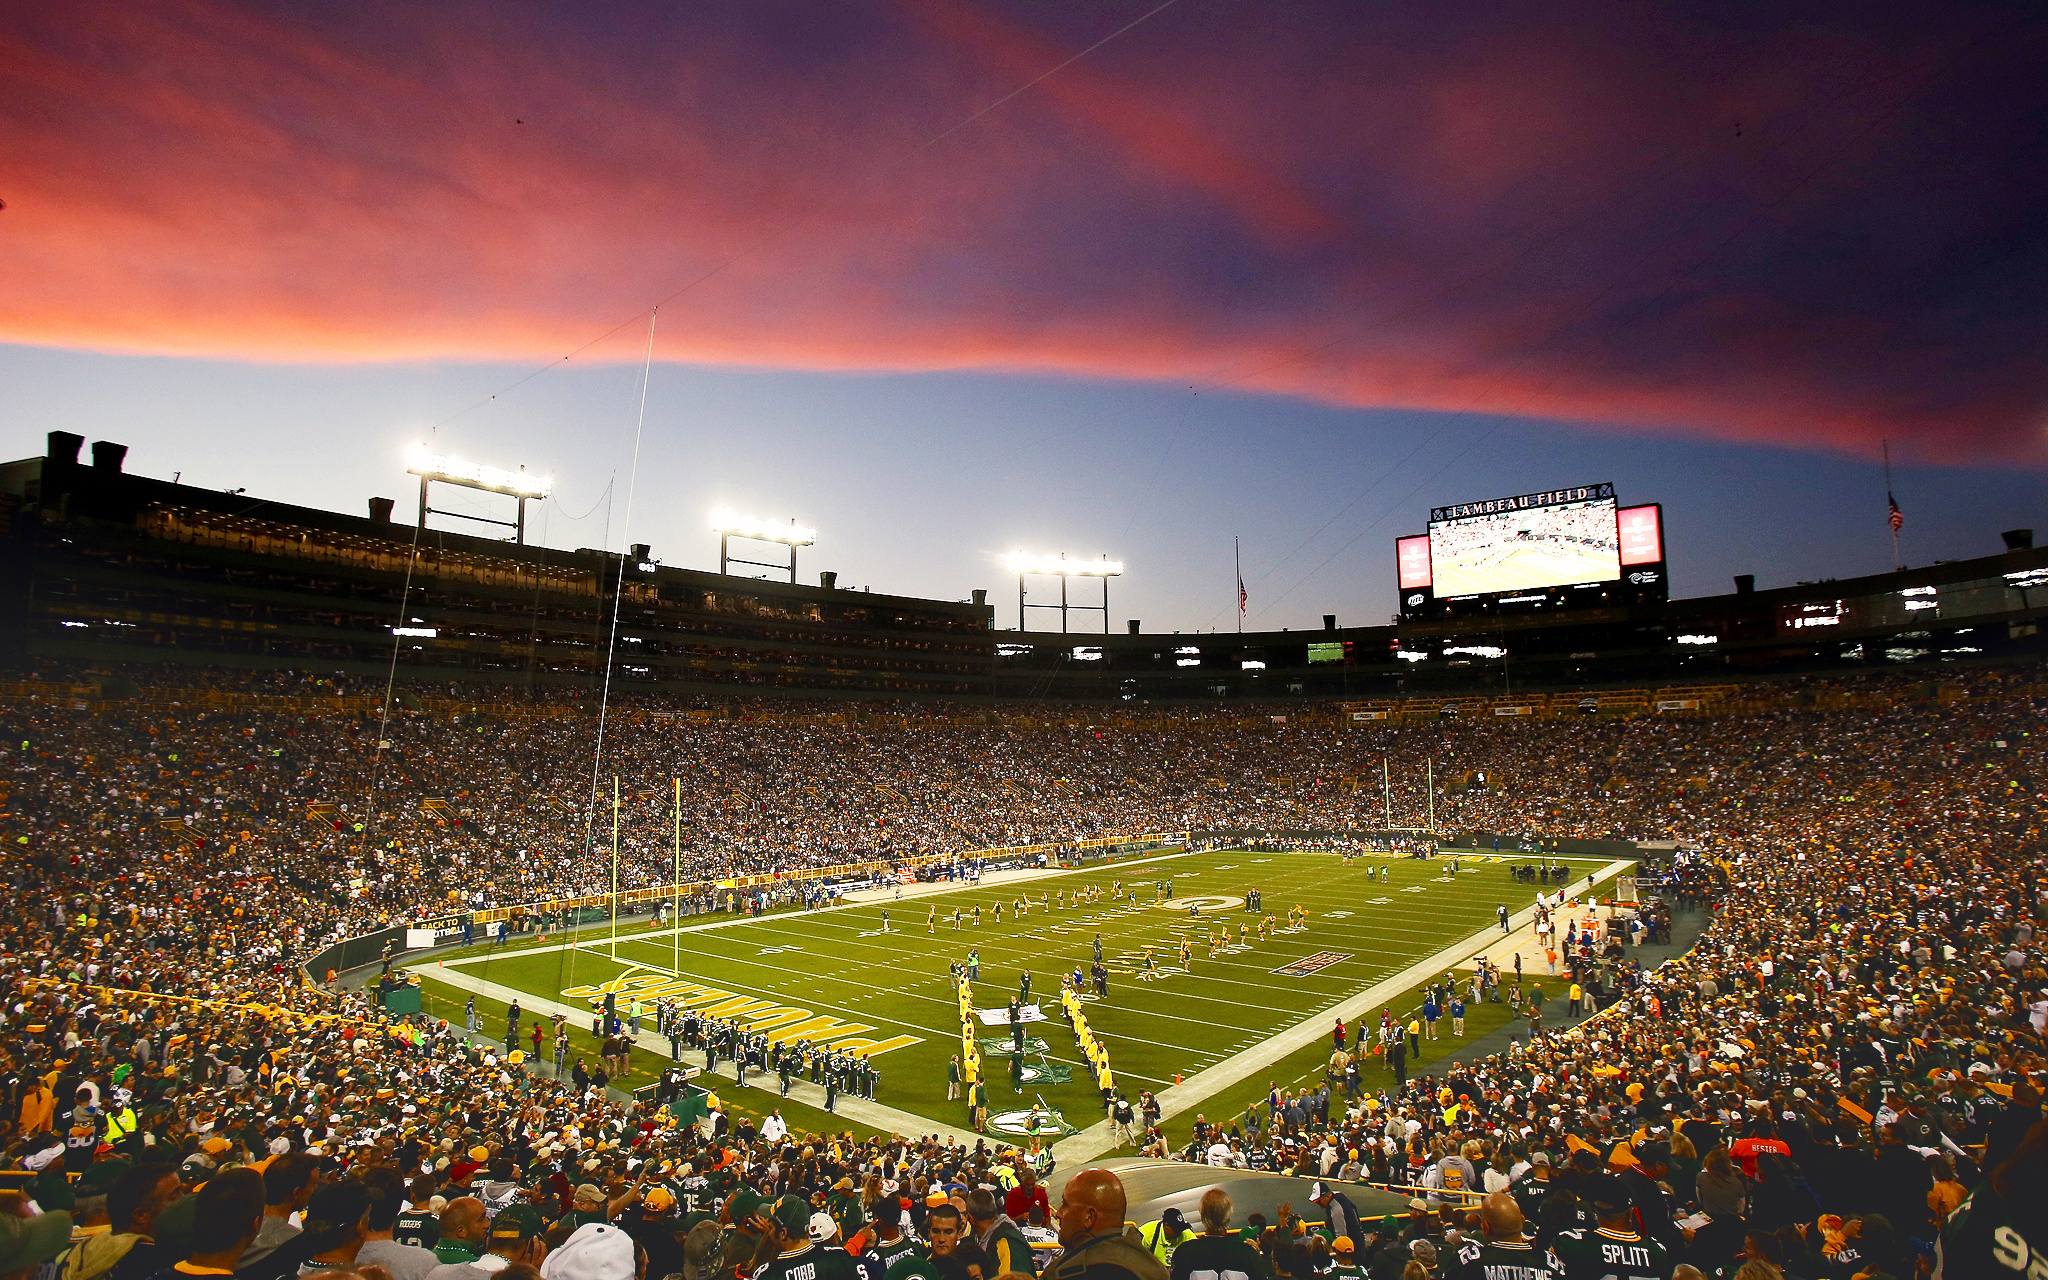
x=1853 y=1047
x=1856 y=1040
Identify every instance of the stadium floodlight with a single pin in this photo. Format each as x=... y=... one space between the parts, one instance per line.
x=1060 y=566
x=431 y=467
x=1026 y=564
x=425 y=463
x=729 y=524
x=734 y=525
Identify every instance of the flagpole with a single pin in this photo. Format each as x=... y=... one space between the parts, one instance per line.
x=1892 y=516
x=1237 y=557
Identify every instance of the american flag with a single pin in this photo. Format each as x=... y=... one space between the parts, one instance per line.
x=1241 y=597
x=1897 y=517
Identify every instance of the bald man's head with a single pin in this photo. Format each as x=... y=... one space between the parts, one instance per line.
x=1501 y=1217
x=465 y=1219
x=1091 y=1205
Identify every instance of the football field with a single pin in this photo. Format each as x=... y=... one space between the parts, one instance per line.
x=846 y=977
x=1517 y=567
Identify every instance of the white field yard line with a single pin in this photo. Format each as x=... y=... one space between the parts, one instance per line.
x=1091 y=1142
x=994 y=879
x=873 y=1114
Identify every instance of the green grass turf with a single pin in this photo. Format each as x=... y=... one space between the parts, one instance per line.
x=836 y=964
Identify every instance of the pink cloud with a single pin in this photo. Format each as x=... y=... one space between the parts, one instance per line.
x=1487 y=213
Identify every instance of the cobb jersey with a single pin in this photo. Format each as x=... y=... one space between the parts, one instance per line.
x=1579 y=1254
x=1500 y=1260
x=808 y=1263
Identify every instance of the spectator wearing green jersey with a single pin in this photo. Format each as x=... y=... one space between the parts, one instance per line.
x=798 y=1257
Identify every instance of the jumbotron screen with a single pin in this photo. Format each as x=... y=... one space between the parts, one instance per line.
x=1536 y=540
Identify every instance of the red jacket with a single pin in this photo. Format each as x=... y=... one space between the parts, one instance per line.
x=1018 y=1203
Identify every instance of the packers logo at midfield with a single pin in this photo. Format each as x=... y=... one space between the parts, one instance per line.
x=1205 y=901
x=1026 y=1123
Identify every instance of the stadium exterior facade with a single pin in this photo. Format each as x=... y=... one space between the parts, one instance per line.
x=106 y=566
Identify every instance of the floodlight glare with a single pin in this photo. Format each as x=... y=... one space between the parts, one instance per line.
x=429 y=465
x=1025 y=565
x=1025 y=562
x=734 y=525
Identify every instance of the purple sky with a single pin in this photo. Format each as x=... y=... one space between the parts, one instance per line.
x=1294 y=272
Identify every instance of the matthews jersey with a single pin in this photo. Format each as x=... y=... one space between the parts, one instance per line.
x=1605 y=1254
x=1500 y=1260
x=808 y=1263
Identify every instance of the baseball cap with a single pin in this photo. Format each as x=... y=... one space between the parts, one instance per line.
x=589 y=1193
x=1541 y=1157
x=793 y=1215
x=822 y=1228
x=597 y=1251
x=1417 y=1202
x=517 y=1222
x=660 y=1199
x=745 y=1204
x=1424 y=1251
x=100 y=1177
x=1342 y=1244
x=1317 y=1191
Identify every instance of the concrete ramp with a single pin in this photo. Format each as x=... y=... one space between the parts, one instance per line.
x=1153 y=1186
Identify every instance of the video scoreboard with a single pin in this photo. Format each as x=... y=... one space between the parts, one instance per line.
x=1559 y=548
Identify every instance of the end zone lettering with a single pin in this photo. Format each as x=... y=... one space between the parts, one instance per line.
x=1312 y=964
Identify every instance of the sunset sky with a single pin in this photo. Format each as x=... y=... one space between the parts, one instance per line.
x=932 y=282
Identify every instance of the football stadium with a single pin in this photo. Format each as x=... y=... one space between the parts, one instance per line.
x=800 y=902
x=755 y=641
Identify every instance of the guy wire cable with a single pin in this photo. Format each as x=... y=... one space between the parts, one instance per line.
x=618 y=594
x=372 y=827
